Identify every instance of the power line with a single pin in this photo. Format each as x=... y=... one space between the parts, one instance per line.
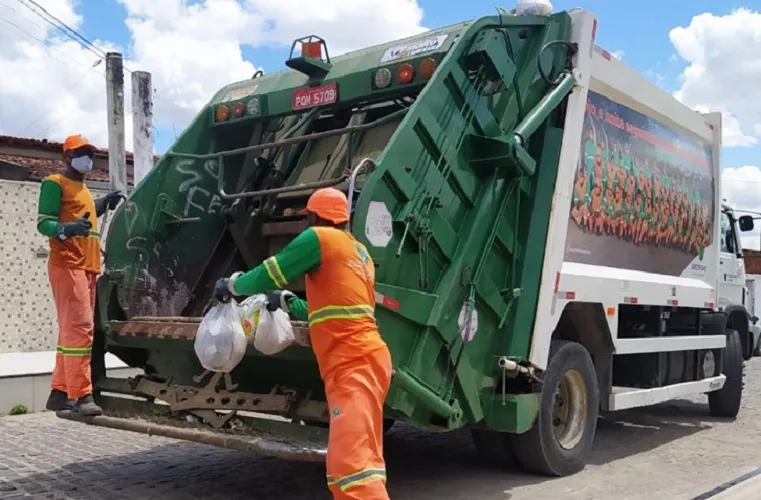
x=19 y=15
x=742 y=180
x=44 y=46
x=46 y=112
x=66 y=29
x=63 y=27
x=747 y=211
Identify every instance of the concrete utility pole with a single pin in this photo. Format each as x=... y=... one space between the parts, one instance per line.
x=142 y=124
x=117 y=161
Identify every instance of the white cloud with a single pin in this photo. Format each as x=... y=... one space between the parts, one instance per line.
x=191 y=48
x=48 y=90
x=619 y=54
x=723 y=55
x=741 y=187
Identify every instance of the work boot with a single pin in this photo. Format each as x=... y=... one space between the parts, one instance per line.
x=86 y=406
x=58 y=401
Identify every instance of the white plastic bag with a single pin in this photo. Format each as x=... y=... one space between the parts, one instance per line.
x=274 y=332
x=249 y=313
x=534 y=8
x=220 y=342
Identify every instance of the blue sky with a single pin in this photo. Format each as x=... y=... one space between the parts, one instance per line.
x=639 y=29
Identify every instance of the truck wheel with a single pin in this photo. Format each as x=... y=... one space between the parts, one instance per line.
x=388 y=423
x=726 y=401
x=496 y=448
x=561 y=439
x=747 y=354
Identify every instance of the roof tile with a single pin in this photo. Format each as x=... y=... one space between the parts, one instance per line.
x=39 y=168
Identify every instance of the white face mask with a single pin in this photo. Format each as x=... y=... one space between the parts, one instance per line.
x=83 y=164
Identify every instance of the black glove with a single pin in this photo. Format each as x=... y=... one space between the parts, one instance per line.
x=81 y=227
x=278 y=299
x=109 y=201
x=222 y=290
x=273 y=300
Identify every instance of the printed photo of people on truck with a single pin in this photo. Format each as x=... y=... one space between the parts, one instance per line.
x=642 y=185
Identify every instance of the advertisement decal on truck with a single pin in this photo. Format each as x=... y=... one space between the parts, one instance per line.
x=643 y=195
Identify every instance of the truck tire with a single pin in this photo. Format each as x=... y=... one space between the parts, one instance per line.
x=726 y=401
x=561 y=439
x=495 y=448
x=388 y=423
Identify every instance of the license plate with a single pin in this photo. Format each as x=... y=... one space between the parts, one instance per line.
x=311 y=97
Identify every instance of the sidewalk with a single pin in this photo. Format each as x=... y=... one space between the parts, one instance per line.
x=745 y=487
x=25 y=378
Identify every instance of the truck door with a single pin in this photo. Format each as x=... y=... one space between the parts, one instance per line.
x=731 y=268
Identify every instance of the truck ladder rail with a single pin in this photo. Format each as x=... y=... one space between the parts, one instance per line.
x=284 y=142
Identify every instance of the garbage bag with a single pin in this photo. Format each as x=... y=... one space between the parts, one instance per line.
x=534 y=8
x=221 y=342
x=249 y=313
x=274 y=332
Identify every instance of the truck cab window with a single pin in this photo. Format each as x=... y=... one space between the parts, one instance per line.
x=727 y=235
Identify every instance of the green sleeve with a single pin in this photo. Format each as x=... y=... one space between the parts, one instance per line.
x=295 y=260
x=48 y=208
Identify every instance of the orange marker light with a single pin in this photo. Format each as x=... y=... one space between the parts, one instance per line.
x=427 y=67
x=223 y=113
x=405 y=73
x=238 y=109
x=311 y=49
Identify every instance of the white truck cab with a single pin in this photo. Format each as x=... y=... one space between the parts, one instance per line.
x=732 y=289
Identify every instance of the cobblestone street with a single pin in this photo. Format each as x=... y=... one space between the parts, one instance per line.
x=673 y=451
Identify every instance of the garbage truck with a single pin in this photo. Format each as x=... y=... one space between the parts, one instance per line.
x=542 y=220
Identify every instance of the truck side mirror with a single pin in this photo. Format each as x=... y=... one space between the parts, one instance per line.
x=746 y=223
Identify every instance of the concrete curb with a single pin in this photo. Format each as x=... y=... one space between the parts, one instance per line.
x=25 y=378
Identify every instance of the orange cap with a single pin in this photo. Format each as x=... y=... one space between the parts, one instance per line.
x=76 y=141
x=329 y=204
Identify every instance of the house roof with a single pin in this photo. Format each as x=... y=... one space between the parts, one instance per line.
x=22 y=151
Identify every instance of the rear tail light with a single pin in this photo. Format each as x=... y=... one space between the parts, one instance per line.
x=427 y=67
x=405 y=73
x=223 y=113
x=238 y=109
x=382 y=78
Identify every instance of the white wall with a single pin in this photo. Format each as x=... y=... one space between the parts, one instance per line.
x=27 y=312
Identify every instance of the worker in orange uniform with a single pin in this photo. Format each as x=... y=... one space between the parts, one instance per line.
x=67 y=215
x=353 y=359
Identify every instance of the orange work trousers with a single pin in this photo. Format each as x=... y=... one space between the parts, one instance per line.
x=74 y=296
x=356 y=393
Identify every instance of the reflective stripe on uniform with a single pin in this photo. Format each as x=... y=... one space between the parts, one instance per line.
x=275 y=273
x=340 y=312
x=74 y=351
x=42 y=217
x=357 y=478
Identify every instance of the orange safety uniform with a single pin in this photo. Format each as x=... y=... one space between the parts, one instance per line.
x=353 y=359
x=354 y=362
x=73 y=266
